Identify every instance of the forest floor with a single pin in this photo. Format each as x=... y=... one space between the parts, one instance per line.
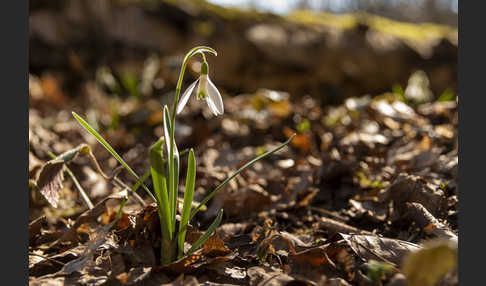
x=365 y=194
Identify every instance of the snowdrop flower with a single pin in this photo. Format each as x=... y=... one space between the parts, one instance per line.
x=205 y=90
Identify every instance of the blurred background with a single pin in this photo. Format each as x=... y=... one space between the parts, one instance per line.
x=327 y=49
x=436 y=11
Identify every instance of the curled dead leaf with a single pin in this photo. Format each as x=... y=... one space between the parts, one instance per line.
x=88 y=216
x=383 y=249
x=50 y=181
x=214 y=246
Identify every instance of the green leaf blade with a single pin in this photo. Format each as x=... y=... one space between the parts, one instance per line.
x=188 y=197
x=264 y=155
x=211 y=229
x=110 y=149
x=173 y=173
x=160 y=186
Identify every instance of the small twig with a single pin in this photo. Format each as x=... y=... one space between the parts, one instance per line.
x=329 y=213
x=269 y=279
x=127 y=188
x=329 y=260
x=80 y=189
x=338 y=226
x=98 y=168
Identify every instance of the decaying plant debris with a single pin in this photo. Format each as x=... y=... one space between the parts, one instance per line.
x=354 y=195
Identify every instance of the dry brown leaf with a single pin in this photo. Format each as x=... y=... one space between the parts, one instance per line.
x=214 y=246
x=88 y=216
x=383 y=249
x=410 y=188
x=184 y=264
x=267 y=276
x=50 y=181
x=247 y=200
x=78 y=264
x=315 y=257
x=47 y=281
x=330 y=259
x=183 y=280
x=429 y=223
x=138 y=274
x=35 y=228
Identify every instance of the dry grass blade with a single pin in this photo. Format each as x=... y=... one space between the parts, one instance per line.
x=337 y=226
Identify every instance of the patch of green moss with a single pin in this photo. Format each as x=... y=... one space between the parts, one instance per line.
x=402 y=30
x=316 y=19
x=410 y=31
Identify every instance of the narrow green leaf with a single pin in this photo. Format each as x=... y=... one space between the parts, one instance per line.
x=160 y=186
x=174 y=179
x=110 y=149
x=266 y=154
x=188 y=196
x=207 y=234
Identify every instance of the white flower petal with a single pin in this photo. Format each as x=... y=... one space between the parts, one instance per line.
x=215 y=97
x=185 y=97
x=212 y=106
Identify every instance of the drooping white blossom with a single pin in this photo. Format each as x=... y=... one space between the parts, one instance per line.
x=205 y=90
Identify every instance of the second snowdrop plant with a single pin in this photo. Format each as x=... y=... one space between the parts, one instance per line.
x=165 y=162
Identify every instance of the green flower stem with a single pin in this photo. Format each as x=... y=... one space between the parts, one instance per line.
x=172 y=190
